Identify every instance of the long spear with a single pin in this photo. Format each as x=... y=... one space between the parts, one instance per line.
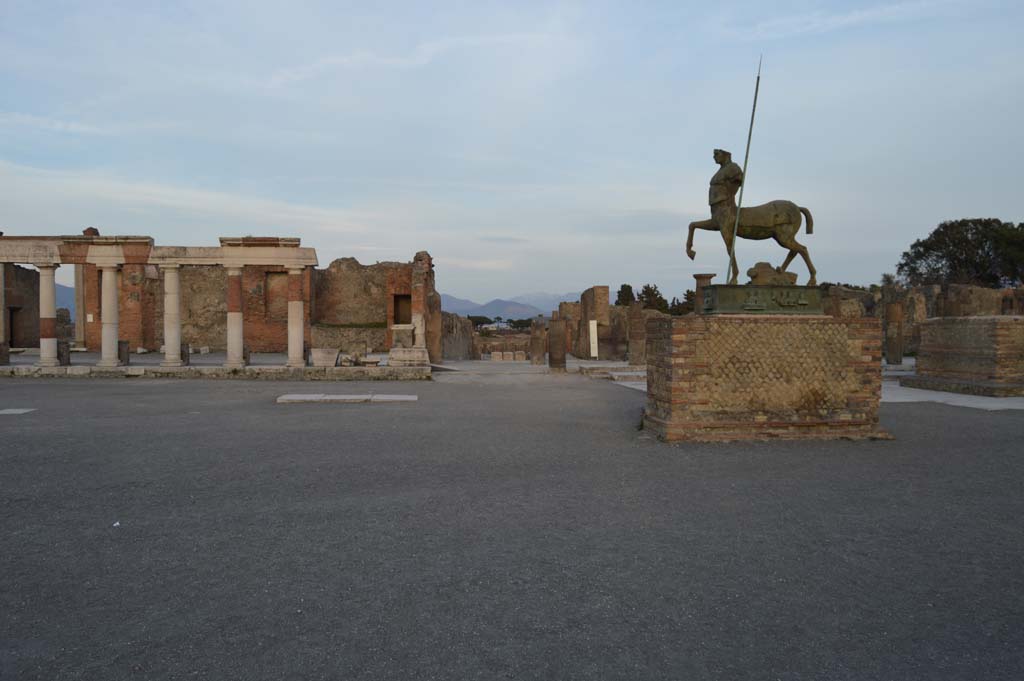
x=746 y=157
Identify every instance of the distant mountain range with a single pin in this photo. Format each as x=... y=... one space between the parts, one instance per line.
x=520 y=307
x=66 y=298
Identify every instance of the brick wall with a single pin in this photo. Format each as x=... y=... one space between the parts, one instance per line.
x=736 y=377
x=987 y=349
x=20 y=307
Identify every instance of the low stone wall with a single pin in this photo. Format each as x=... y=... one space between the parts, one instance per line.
x=750 y=377
x=264 y=373
x=975 y=355
x=349 y=339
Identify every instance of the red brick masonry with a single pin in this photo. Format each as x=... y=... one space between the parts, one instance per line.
x=757 y=377
x=974 y=355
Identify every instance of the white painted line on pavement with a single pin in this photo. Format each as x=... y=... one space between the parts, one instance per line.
x=14 y=412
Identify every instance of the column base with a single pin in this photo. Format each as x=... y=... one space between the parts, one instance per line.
x=172 y=363
x=295 y=364
x=48 y=363
x=108 y=363
x=234 y=365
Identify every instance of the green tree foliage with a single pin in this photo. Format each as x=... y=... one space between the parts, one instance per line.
x=651 y=299
x=520 y=324
x=980 y=251
x=684 y=306
x=625 y=295
x=479 y=320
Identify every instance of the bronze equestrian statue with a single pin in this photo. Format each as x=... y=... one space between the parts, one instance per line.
x=779 y=220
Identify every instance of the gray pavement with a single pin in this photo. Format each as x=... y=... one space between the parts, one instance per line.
x=504 y=526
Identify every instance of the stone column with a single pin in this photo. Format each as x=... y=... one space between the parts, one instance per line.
x=172 y=316
x=79 y=306
x=47 y=317
x=894 y=333
x=296 y=318
x=235 y=359
x=109 y=315
x=556 y=346
x=703 y=280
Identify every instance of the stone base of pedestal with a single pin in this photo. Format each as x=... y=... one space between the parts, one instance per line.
x=408 y=357
x=759 y=377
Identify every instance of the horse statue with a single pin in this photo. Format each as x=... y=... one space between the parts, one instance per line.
x=779 y=220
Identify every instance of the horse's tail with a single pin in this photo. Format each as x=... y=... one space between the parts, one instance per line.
x=810 y=220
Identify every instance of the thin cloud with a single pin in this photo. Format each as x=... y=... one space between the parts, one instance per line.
x=10 y=119
x=421 y=56
x=24 y=181
x=825 y=22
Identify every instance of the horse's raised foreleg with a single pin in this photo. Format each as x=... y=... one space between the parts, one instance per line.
x=699 y=224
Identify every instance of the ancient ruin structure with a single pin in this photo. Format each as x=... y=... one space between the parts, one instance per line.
x=19 y=306
x=973 y=355
x=259 y=294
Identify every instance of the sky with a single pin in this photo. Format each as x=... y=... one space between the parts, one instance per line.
x=528 y=146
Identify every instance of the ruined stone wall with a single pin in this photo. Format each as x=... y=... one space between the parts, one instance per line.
x=351 y=294
x=20 y=309
x=506 y=342
x=204 y=306
x=979 y=349
x=456 y=337
x=570 y=313
x=348 y=339
x=921 y=303
x=727 y=377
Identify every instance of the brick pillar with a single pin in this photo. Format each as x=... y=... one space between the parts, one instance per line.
x=109 y=315
x=172 y=316
x=556 y=346
x=296 y=318
x=894 y=333
x=703 y=280
x=47 y=317
x=235 y=358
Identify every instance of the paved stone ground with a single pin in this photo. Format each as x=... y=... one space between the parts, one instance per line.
x=513 y=526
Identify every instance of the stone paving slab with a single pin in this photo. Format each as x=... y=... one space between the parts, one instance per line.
x=321 y=398
x=279 y=373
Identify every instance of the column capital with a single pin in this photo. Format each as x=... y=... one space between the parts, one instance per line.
x=234 y=271
x=169 y=266
x=46 y=266
x=296 y=270
x=112 y=266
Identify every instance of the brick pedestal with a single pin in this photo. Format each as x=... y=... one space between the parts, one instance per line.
x=972 y=355
x=756 y=377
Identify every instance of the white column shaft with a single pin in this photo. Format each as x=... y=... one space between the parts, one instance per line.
x=172 y=318
x=295 y=333
x=47 y=317
x=236 y=341
x=110 y=315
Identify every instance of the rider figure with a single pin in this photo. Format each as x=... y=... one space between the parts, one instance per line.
x=724 y=185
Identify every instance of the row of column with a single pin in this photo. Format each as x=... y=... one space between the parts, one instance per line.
x=172 y=318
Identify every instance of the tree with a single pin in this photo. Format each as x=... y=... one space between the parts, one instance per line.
x=651 y=299
x=521 y=324
x=479 y=320
x=889 y=279
x=981 y=251
x=684 y=306
x=625 y=295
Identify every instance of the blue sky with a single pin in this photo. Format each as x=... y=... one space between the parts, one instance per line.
x=527 y=146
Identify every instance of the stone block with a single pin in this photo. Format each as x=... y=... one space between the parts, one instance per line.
x=63 y=353
x=5 y=354
x=497 y=356
x=124 y=353
x=519 y=356
x=324 y=357
x=408 y=357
